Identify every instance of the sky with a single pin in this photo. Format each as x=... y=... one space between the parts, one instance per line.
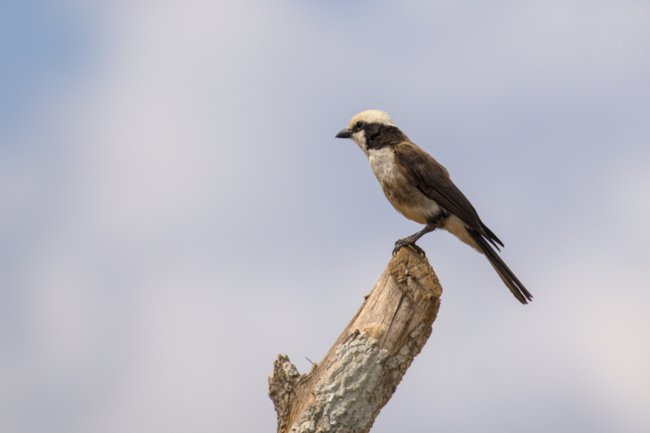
x=175 y=210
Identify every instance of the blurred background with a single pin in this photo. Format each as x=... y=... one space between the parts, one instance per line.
x=175 y=210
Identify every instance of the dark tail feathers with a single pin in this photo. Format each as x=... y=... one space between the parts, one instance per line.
x=508 y=277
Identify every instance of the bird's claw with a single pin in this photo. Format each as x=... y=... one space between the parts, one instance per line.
x=405 y=243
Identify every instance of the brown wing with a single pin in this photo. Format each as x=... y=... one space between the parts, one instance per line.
x=433 y=180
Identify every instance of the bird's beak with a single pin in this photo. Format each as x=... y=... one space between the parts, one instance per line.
x=344 y=133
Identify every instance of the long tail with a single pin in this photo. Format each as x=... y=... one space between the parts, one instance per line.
x=508 y=277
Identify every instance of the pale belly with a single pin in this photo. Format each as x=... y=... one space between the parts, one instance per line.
x=406 y=198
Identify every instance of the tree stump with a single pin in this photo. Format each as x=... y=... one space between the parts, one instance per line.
x=359 y=374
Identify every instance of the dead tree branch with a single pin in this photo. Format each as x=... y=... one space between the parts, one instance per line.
x=357 y=377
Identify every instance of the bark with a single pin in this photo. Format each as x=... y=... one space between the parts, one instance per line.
x=359 y=374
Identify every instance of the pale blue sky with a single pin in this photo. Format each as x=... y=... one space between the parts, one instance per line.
x=176 y=210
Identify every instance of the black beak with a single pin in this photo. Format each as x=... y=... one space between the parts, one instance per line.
x=344 y=133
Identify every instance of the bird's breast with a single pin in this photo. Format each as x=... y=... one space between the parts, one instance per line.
x=402 y=193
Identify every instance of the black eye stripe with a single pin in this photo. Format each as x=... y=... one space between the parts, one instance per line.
x=358 y=126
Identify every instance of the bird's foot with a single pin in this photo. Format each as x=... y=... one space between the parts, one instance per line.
x=406 y=242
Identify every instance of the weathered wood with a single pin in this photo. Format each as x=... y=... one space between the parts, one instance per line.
x=357 y=377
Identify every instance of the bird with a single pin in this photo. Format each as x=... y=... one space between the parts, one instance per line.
x=420 y=189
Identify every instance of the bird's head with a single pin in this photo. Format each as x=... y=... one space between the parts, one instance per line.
x=365 y=126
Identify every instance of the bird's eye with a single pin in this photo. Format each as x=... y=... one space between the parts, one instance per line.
x=359 y=125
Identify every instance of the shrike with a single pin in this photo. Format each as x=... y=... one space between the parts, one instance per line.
x=421 y=190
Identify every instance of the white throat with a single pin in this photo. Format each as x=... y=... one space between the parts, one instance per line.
x=360 y=139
